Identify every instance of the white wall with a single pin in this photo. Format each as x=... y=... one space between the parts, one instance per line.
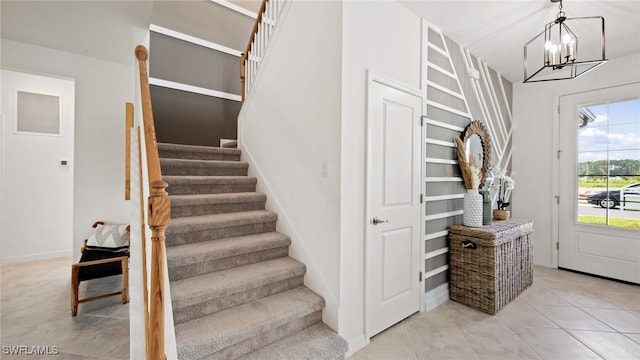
x=102 y=88
x=289 y=132
x=535 y=114
x=384 y=38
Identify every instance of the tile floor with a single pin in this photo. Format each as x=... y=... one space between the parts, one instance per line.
x=563 y=315
x=35 y=310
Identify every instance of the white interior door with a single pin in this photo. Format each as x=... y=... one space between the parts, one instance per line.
x=393 y=207
x=599 y=133
x=37 y=167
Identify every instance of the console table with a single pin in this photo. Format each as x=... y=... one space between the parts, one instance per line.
x=491 y=265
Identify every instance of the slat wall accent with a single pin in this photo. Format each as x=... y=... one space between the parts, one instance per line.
x=447 y=113
x=453 y=99
x=493 y=99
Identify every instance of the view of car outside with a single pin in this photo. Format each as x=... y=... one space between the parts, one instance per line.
x=609 y=164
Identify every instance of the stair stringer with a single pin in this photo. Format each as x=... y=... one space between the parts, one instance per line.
x=313 y=278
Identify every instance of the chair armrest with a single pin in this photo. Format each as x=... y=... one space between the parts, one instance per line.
x=101 y=261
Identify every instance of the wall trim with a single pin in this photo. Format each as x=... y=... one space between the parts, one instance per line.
x=40 y=256
x=356 y=345
x=194 y=40
x=236 y=8
x=194 y=89
x=436 y=297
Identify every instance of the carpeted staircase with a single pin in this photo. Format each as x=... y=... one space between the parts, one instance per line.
x=236 y=293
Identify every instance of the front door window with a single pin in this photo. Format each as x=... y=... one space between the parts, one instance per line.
x=609 y=163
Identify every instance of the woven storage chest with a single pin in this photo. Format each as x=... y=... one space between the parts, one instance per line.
x=490 y=265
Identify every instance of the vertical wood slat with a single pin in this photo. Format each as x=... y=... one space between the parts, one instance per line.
x=143 y=236
x=158 y=217
x=128 y=124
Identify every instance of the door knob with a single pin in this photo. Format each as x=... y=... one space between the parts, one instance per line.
x=376 y=221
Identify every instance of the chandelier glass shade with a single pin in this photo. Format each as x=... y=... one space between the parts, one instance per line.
x=562 y=57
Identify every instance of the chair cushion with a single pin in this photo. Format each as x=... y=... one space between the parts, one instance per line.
x=100 y=270
x=109 y=238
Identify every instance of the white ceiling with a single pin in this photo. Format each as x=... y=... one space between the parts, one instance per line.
x=496 y=31
x=100 y=29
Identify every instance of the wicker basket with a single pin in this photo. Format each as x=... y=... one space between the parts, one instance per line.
x=492 y=265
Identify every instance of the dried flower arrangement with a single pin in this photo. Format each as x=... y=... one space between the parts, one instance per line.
x=471 y=170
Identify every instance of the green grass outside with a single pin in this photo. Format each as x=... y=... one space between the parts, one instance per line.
x=613 y=183
x=634 y=224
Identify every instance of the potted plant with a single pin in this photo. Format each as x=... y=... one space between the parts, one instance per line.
x=501 y=186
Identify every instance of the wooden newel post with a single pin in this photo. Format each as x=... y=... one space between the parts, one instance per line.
x=158 y=219
x=159 y=216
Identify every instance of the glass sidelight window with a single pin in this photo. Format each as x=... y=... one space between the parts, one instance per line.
x=609 y=163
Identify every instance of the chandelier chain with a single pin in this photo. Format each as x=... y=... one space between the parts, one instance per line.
x=560 y=11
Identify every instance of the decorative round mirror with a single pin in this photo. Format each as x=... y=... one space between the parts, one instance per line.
x=478 y=144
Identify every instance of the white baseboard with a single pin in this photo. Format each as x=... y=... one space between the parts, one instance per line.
x=224 y=141
x=33 y=257
x=436 y=297
x=356 y=344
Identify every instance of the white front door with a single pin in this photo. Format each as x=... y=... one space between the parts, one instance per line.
x=37 y=167
x=393 y=206
x=599 y=133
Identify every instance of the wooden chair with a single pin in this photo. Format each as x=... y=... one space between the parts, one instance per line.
x=105 y=253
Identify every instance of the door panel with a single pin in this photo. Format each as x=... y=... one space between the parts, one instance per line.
x=37 y=161
x=594 y=239
x=393 y=187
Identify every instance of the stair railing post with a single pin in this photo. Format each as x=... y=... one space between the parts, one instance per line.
x=247 y=51
x=243 y=70
x=158 y=217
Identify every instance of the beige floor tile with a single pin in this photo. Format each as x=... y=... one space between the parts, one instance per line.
x=493 y=337
x=453 y=311
x=624 y=299
x=582 y=297
x=569 y=317
x=519 y=314
x=538 y=294
x=442 y=340
x=609 y=345
x=621 y=320
x=35 y=304
x=555 y=344
x=392 y=343
x=634 y=337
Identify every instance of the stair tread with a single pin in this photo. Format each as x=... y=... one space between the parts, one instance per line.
x=207 y=179
x=212 y=163
x=222 y=198
x=213 y=221
x=221 y=248
x=198 y=148
x=217 y=284
x=315 y=342
x=200 y=337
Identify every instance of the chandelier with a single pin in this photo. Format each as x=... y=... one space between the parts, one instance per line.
x=558 y=44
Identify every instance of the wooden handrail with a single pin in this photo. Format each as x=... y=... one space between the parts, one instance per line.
x=158 y=218
x=252 y=37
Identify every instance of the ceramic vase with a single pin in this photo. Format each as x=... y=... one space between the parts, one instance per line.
x=472 y=216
